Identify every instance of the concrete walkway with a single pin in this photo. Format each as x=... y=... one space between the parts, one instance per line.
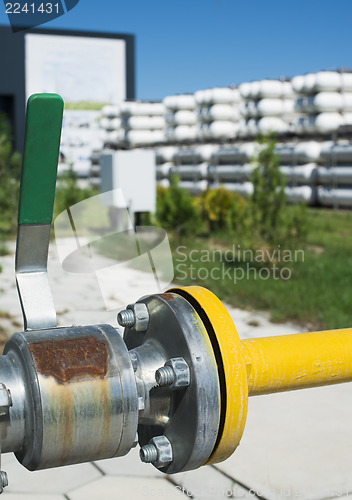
x=295 y=445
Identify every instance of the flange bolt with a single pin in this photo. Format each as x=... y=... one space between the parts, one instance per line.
x=136 y=315
x=3 y=480
x=157 y=452
x=148 y=453
x=126 y=318
x=174 y=374
x=164 y=376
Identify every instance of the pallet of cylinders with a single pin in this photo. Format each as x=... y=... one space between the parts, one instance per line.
x=324 y=100
x=94 y=174
x=234 y=164
x=143 y=123
x=267 y=106
x=294 y=194
x=218 y=113
x=164 y=161
x=335 y=174
x=132 y=124
x=111 y=132
x=299 y=166
x=186 y=163
x=180 y=118
x=193 y=187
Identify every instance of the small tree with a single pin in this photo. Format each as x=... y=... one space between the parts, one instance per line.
x=273 y=220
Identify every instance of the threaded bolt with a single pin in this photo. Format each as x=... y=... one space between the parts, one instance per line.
x=126 y=318
x=3 y=479
x=148 y=453
x=164 y=376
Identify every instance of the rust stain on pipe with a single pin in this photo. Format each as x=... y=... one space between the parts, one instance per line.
x=69 y=359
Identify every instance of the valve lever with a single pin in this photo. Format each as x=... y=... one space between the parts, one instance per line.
x=39 y=169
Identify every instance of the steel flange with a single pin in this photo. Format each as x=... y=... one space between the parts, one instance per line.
x=231 y=365
x=188 y=413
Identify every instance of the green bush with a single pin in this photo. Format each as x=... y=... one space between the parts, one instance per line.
x=176 y=210
x=10 y=170
x=261 y=221
x=221 y=209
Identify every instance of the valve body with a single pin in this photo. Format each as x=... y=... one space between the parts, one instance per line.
x=74 y=396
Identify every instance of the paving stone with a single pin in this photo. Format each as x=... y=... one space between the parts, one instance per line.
x=129 y=465
x=29 y=496
x=296 y=445
x=208 y=482
x=342 y=498
x=58 y=480
x=110 y=487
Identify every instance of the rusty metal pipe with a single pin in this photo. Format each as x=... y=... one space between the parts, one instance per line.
x=74 y=399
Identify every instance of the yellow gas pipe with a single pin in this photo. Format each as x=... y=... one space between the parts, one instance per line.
x=264 y=365
x=290 y=362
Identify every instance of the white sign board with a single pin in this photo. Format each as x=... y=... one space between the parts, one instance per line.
x=76 y=67
x=82 y=70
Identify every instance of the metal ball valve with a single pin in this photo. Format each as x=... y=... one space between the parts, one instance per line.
x=177 y=382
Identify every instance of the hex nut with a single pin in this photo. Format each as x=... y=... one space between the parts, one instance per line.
x=141 y=314
x=182 y=376
x=5 y=399
x=164 y=451
x=134 y=360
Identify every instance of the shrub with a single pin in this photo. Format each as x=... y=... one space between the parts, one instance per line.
x=176 y=209
x=221 y=209
x=10 y=169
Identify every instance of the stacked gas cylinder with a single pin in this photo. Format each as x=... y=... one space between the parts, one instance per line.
x=218 y=113
x=315 y=172
x=180 y=118
x=324 y=102
x=133 y=124
x=208 y=138
x=268 y=106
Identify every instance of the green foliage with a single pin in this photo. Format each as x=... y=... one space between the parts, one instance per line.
x=318 y=294
x=262 y=221
x=176 y=210
x=272 y=220
x=268 y=196
x=10 y=168
x=221 y=209
x=85 y=105
x=4 y=249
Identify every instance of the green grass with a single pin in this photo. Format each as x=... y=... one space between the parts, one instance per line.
x=85 y=105
x=318 y=293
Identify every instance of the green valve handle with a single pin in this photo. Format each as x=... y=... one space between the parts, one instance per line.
x=40 y=158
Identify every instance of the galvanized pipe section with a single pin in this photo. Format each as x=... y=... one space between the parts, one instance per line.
x=73 y=394
x=290 y=362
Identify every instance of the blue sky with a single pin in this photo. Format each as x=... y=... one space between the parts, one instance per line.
x=192 y=44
